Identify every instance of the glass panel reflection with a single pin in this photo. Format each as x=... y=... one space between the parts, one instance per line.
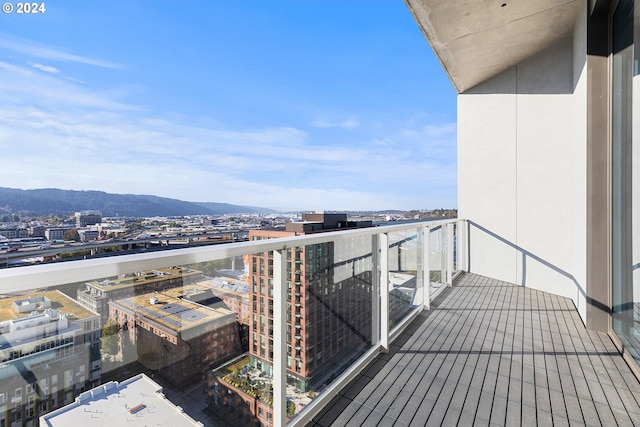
x=437 y=258
x=175 y=324
x=405 y=278
x=329 y=314
x=205 y=331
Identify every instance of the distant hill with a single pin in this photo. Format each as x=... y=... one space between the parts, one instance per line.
x=226 y=208
x=66 y=202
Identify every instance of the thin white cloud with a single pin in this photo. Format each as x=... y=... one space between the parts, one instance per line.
x=15 y=69
x=440 y=130
x=120 y=153
x=349 y=123
x=56 y=133
x=25 y=86
x=36 y=50
x=45 y=68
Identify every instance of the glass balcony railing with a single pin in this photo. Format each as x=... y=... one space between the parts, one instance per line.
x=254 y=332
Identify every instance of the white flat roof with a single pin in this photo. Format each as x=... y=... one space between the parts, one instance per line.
x=136 y=401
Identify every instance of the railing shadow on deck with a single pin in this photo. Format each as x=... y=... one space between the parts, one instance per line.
x=525 y=254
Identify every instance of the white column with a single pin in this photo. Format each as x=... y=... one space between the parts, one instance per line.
x=461 y=245
x=449 y=241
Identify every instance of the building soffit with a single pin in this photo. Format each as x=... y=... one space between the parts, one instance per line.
x=477 y=39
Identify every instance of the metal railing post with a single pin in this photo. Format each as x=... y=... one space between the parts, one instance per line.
x=384 y=291
x=280 y=337
x=467 y=246
x=426 y=270
x=376 y=292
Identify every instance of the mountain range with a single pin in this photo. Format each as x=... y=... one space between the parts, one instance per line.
x=47 y=201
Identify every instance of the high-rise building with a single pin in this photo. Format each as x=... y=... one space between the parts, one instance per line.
x=327 y=318
x=86 y=218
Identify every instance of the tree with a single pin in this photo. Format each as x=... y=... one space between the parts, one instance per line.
x=109 y=336
x=71 y=235
x=291 y=409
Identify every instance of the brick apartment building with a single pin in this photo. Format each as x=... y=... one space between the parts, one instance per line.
x=179 y=339
x=329 y=300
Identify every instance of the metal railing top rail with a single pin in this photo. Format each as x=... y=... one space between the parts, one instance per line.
x=61 y=273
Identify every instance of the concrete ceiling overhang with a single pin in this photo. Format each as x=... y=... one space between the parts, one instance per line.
x=478 y=39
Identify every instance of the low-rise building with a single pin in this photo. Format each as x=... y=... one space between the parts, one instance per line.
x=178 y=338
x=14 y=232
x=235 y=294
x=37 y=231
x=137 y=401
x=56 y=233
x=49 y=354
x=87 y=235
x=97 y=294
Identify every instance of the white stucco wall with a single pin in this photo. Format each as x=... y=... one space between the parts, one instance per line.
x=522 y=171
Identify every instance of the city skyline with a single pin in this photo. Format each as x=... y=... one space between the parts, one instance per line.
x=315 y=105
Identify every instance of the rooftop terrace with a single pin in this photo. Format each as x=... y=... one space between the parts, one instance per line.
x=59 y=301
x=171 y=311
x=492 y=353
x=144 y=277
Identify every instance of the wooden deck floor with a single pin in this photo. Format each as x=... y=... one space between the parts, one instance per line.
x=492 y=353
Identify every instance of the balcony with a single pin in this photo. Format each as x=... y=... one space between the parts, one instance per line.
x=419 y=340
x=490 y=352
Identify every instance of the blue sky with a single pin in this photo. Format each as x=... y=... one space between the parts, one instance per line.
x=314 y=105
